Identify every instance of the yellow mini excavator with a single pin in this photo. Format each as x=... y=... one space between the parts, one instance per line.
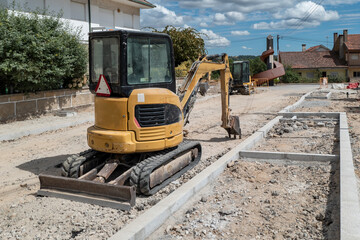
x=137 y=140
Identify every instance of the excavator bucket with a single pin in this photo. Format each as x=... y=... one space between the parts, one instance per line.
x=203 y=88
x=234 y=126
x=89 y=191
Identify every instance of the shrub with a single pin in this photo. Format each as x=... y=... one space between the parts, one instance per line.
x=257 y=66
x=336 y=79
x=290 y=76
x=38 y=52
x=183 y=68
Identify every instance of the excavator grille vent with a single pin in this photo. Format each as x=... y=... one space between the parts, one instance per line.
x=150 y=115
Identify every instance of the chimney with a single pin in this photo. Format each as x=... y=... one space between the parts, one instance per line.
x=335 y=37
x=345 y=32
x=303 y=47
x=341 y=47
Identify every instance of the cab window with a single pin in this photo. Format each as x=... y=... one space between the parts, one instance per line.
x=105 y=59
x=148 y=61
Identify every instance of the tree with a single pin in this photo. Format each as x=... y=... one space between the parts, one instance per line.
x=187 y=43
x=257 y=66
x=38 y=52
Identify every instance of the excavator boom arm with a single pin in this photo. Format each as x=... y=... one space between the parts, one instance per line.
x=188 y=90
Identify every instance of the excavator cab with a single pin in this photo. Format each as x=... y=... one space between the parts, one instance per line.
x=241 y=72
x=142 y=112
x=131 y=60
x=241 y=77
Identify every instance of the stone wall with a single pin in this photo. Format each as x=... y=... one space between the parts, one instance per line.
x=20 y=106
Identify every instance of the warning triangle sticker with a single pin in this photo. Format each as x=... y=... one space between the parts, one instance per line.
x=103 y=88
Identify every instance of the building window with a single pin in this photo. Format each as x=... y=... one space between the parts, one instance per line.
x=356 y=74
x=106 y=17
x=300 y=74
x=310 y=75
x=78 y=11
x=354 y=56
x=128 y=20
x=334 y=74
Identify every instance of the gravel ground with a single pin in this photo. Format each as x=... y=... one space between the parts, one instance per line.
x=314 y=103
x=277 y=199
x=319 y=137
x=29 y=217
x=255 y=207
x=343 y=101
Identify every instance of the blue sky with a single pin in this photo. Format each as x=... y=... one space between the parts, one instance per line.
x=239 y=27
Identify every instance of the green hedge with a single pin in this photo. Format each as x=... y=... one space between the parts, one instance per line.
x=38 y=52
x=293 y=77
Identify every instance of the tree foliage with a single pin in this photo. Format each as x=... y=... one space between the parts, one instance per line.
x=290 y=76
x=187 y=42
x=257 y=66
x=38 y=52
x=183 y=68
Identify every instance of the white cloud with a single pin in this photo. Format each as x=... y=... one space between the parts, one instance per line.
x=336 y=2
x=219 y=17
x=235 y=16
x=309 y=10
x=213 y=40
x=242 y=6
x=303 y=15
x=228 y=18
x=203 y=24
x=283 y=24
x=160 y=17
x=240 y=33
x=246 y=48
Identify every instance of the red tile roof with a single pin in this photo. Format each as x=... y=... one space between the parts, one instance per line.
x=353 y=42
x=316 y=48
x=305 y=60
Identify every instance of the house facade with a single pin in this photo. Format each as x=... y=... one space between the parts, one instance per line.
x=342 y=62
x=113 y=14
x=315 y=64
x=347 y=46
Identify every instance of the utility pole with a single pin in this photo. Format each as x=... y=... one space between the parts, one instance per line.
x=277 y=41
x=89 y=10
x=327 y=41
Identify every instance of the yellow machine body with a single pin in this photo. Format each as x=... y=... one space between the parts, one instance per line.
x=116 y=129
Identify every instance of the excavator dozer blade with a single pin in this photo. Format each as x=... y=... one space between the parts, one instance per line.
x=103 y=194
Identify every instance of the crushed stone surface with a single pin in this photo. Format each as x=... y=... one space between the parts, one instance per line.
x=314 y=103
x=344 y=101
x=262 y=200
x=25 y=216
x=302 y=136
x=277 y=199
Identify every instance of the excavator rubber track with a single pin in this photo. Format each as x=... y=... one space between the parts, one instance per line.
x=150 y=174
x=93 y=177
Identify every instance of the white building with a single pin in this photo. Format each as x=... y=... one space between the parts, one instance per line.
x=104 y=13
